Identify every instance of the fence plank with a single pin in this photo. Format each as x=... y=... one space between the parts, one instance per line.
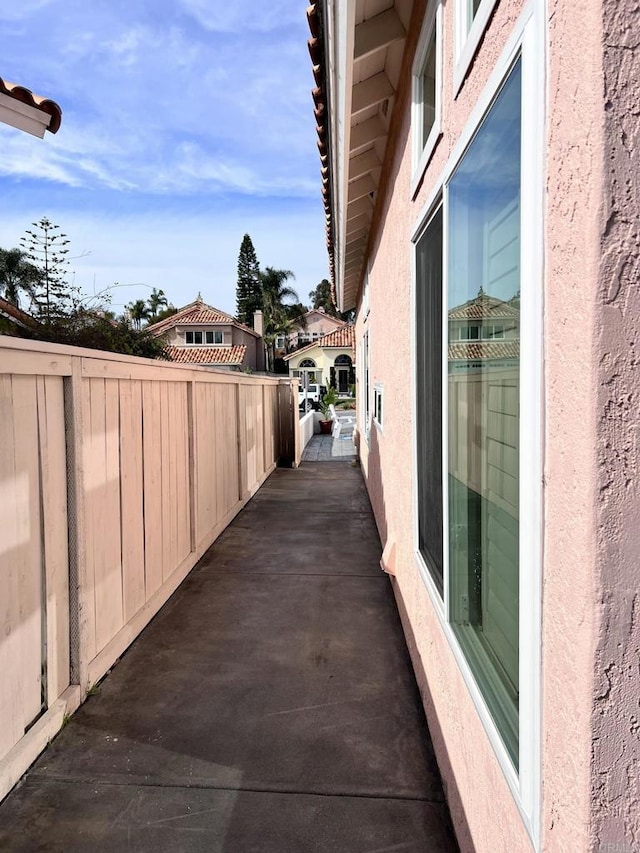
x=152 y=472
x=131 y=494
x=55 y=540
x=28 y=556
x=10 y=541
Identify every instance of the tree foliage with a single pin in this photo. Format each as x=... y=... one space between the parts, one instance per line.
x=321 y=297
x=169 y=311
x=91 y=329
x=46 y=248
x=281 y=308
x=138 y=311
x=156 y=300
x=249 y=287
x=17 y=275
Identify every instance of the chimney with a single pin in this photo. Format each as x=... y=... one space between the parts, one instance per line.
x=258 y=323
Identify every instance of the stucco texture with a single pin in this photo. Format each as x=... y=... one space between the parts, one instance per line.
x=591 y=537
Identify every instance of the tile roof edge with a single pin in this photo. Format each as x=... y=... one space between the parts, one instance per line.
x=26 y=96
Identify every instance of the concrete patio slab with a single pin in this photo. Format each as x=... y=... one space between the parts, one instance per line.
x=270 y=705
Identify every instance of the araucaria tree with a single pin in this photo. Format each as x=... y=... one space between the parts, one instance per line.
x=248 y=288
x=46 y=248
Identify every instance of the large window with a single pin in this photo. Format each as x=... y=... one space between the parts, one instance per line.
x=480 y=491
x=483 y=406
x=489 y=233
x=429 y=395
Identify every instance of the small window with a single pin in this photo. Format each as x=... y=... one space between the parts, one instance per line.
x=377 y=405
x=218 y=337
x=197 y=337
x=188 y=337
x=280 y=342
x=208 y=337
x=472 y=17
x=426 y=92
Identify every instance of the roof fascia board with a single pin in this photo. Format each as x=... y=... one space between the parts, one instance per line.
x=340 y=34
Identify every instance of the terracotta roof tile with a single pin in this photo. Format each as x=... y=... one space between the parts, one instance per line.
x=26 y=96
x=484 y=307
x=475 y=350
x=11 y=312
x=198 y=313
x=207 y=355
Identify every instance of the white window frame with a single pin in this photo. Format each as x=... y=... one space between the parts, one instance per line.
x=378 y=397
x=467 y=37
x=365 y=296
x=422 y=149
x=365 y=424
x=528 y=40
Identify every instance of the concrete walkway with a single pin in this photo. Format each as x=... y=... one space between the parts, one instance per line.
x=270 y=707
x=326 y=448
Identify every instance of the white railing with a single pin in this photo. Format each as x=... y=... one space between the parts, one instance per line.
x=116 y=475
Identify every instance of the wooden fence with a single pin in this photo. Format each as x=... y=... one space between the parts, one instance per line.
x=116 y=475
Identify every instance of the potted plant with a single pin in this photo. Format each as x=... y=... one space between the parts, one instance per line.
x=329 y=398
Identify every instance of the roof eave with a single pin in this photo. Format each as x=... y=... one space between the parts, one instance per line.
x=21 y=109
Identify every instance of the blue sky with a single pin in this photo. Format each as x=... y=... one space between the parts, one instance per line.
x=186 y=123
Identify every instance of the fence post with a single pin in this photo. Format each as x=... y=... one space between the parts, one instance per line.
x=193 y=468
x=243 y=491
x=80 y=590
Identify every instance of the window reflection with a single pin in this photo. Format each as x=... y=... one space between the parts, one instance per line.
x=483 y=415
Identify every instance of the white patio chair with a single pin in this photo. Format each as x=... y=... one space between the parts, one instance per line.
x=340 y=421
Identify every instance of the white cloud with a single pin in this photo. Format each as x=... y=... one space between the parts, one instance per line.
x=24 y=9
x=242 y=16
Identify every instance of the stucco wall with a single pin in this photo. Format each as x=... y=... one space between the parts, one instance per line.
x=591 y=535
x=616 y=707
x=252 y=356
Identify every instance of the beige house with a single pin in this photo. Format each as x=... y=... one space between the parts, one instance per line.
x=330 y=361
x=202 y=335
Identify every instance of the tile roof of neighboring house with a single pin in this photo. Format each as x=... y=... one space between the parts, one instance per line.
x=198 y=313
x=26 y=96
x=20 y=318
x=207 y=355
x=483 y=307
x=474 y=350
x=344 y=337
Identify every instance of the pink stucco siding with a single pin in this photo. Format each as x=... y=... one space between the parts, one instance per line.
x=591 y=535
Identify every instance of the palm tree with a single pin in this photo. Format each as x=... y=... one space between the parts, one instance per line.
x=277 y=310
x=157 y=300
x=17 y=275
x=138 y=311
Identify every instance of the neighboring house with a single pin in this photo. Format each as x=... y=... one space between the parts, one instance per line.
x=480 y=166
x=14 y=321
x=201 y=334
x=20 y=108
x=317 y=323
x=330 y=361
